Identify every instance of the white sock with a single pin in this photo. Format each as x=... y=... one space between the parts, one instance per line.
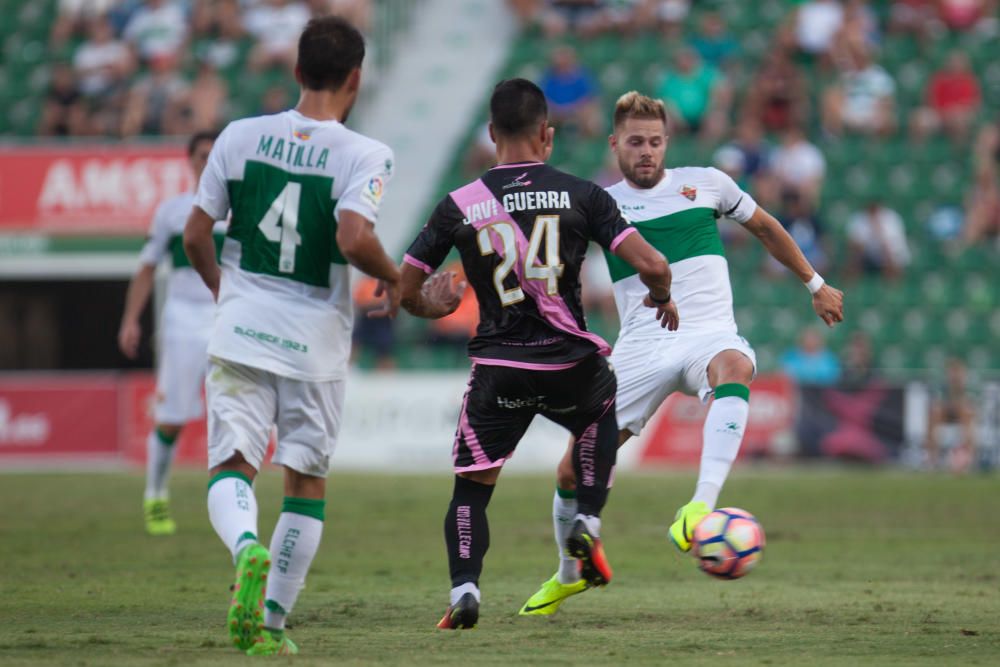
x=722 y=434
x=232 y=509
x=458 y=591
x=563 y=512
x=293 y=546
x=159 y=457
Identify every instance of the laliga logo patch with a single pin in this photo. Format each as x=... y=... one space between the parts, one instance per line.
x=373 y=192
x=689 y=191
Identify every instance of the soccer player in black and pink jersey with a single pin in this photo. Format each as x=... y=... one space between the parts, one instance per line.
x=522 y=231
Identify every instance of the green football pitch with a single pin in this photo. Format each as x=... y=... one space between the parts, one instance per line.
x=860 y=567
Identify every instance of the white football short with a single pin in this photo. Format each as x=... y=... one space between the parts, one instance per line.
x=244 y=403
x=649 y=370
x=180 y=373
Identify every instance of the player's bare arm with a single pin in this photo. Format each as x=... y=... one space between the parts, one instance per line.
x=431 y=297
x=828 y=301
x=361 y=247
x=200 y=248
x=139 y=289
x=654 y=272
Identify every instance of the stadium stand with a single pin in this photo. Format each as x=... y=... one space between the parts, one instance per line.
x=946 y=301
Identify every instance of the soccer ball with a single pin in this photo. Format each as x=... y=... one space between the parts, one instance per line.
x=728 y=543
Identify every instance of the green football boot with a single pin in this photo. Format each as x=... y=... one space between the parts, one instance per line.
x=246 y=610
x=271 y=642
x=685 y=521
x=157 y=513
x=552 y=593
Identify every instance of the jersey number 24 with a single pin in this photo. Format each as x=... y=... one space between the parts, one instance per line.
x=546 y=228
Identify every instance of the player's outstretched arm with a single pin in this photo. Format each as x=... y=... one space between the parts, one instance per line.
x=431 y=297
x=828 y=302
x=136 y=298
x=200 y=248
x=654 y=272
x=360 y=246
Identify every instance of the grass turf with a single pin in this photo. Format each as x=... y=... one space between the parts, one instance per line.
x=860 y=567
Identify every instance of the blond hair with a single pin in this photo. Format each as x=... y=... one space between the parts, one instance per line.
x=634 y=104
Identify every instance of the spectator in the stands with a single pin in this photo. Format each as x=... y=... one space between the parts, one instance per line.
x=571 y=92
x=102 y=63
x=778 y=95
x=877 y=238
x=217 y=32
x=799 y=165
x=74 y=16
x=862 y=100
x=857 y=362
x=858 y=30
x=951 y=424
x=275 y=100
x=697 y=96
x=810 y=362
x=276 y=25
x=801 y=220
x=203 y=106
x=670 y=16
x=969 y=15
x=915 y=17
x=155 y=101
x=157 y=30
x=62 y=111
x=747 y=160
x=982 y=207
x=815 y=24
x=952 y=102
x=714 y=43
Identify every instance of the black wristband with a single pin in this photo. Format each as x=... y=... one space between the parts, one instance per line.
x=659 y=302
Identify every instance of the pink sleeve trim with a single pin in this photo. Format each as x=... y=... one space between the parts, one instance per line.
x=621 y=237
x=413 y=261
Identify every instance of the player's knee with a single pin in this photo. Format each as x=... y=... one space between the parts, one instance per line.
x=488 y=476
x=299 y=485
x=565 y=477
x=731 y=367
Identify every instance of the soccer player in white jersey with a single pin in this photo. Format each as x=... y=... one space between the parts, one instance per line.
x=676 y=211
x=304 y=192
x=185 y=324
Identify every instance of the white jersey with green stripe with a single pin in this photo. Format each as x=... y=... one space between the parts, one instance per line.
x=188 y=308
x=678 y=217
x=285 y=297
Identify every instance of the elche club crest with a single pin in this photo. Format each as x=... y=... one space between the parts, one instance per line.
x=689 y=191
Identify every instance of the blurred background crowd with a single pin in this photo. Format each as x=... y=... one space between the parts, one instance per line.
x=869 y=128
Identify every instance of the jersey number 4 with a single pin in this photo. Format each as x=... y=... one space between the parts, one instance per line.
x=546 y=228
x=280 y=225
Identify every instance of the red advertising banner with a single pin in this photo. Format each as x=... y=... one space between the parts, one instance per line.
x=88 y=189
x=673 y=436
x=58 y=418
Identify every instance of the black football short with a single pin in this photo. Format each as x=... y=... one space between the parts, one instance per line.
x=501 y=401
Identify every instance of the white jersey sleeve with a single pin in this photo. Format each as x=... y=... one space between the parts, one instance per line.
x=158 y=242
x=368 y=179
x=213 y=193
x=733 y=202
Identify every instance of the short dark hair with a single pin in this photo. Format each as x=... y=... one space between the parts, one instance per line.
x=198 y=137
x=329 y=49
x=516 y=107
